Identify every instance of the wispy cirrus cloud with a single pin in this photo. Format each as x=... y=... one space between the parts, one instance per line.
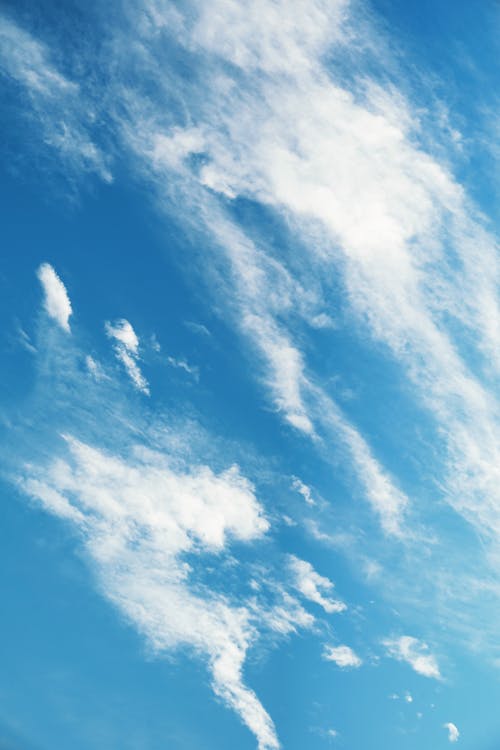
x=369 y=201
x=63 y=113
x=272 y=119
x=181 y=364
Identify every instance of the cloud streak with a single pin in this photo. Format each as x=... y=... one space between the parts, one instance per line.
x=126 y=346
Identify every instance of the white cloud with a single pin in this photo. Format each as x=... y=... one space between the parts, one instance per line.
x=453 y=733
x=123 y=332
x=313 y=586
x=127 y=351
x=181 y=364
x=25 y=59
x=139 y=516
x=365 y=197
x=197 y=328
x=286 y=616
x=266 y=289
x=259 y=290
x=415 y=653
x=303 y=490
x=269 y=37
x=63 y=113
x=369 y=202
x=343 y=656
x=57 y=303
x=94 y=368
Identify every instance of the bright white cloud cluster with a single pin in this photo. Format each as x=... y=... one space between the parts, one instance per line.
x=343 y=656
x=57 y=303
x=127 y=351
x=138 y=516
x=313 y=586
x=415 y=653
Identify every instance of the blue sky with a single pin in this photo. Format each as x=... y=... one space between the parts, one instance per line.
x=250 y=349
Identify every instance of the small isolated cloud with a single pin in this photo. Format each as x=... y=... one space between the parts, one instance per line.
x=343 y=656
x=155 y=344
x=322 y=321
x=181 y=364
x=60 y=108
x=415 y=653
x=126 y=345
x=303 y=490
x=409 y=698
x=197 y=328
x=313 y=586
x=57 y=303
x=453 y=733
x=332 y=734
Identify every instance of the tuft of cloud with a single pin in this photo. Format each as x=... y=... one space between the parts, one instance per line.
x=126 y=346
x=453 y=733
x=124 y=334
x=181 y=364
x=415 y=653
x=343 y=656
x=303 y=490
x=56 y=301
x=314 y=586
